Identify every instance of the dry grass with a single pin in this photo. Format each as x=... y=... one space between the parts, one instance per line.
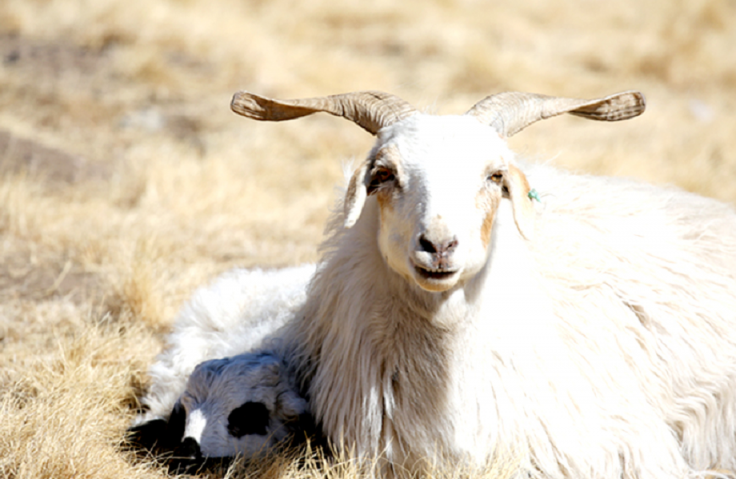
x=125 y=181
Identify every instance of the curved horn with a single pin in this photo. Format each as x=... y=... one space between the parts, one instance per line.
x=372 y=110
x=510 y=112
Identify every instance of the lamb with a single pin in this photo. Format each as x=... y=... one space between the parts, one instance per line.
x=221 y=338
x=256 y=394
x=454 y=319
x=246 y=405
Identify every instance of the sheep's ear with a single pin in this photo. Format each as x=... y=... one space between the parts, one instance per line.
x=355 y=195
x=516 y=183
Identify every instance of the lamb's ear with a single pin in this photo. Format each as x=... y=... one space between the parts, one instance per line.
x=148 y=435
x=518 y=187
x=159 y=434
x=355 y=195
x=175 y=427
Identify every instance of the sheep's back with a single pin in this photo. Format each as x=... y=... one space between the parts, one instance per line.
x=643 y=278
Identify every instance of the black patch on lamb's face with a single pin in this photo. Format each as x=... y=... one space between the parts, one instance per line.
x=188 y=449
x=177 y=423
x=148 y=435
x=159 y=435
x=250 y=418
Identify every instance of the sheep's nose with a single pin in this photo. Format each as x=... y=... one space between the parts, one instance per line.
x=439 y=248
x=189 y=449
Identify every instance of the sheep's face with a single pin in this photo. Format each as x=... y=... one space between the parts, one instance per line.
x=438 y=181
x=240 y=405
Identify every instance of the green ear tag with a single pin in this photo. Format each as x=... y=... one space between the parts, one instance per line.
x=533 y=195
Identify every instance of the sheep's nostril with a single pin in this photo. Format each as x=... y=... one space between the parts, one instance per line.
x=435 y=248
x=450 y=246
x=427 y=245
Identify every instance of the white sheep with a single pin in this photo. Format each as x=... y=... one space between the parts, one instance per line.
x=455 y=319
x=236 y=314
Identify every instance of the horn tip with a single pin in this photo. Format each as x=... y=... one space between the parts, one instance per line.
x=243 y=103
x=632 y=103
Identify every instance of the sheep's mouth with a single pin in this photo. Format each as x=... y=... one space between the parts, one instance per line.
x=433 y=274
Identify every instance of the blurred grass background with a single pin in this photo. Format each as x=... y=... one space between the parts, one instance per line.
x=126 y=182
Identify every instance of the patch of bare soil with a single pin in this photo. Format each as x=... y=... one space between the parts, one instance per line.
x=23 y=155
x=31 y=71
x=26 y=273
x=49 y=58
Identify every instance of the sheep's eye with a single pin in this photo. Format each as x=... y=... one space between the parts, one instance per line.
x=496 y=177
x=379 y=177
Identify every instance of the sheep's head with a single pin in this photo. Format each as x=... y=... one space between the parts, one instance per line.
x=438 y=180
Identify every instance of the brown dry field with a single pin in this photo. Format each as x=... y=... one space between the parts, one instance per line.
x=126 y=182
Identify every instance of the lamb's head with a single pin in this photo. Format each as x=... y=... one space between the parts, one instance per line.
x=438 y=180
x=244 y=404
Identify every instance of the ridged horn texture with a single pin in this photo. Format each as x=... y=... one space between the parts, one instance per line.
x=371 y=110
x=510 y=112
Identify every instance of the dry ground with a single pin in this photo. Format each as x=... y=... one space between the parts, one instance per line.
x=125 y=181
